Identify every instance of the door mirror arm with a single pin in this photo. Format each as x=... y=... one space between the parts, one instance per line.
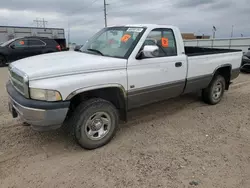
x=12 y=46
x=139 y=55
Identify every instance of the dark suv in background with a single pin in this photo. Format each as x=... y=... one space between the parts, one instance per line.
x=19 y=48
x=245 y=65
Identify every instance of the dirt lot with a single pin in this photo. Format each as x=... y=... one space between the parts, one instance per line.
x=163 y=145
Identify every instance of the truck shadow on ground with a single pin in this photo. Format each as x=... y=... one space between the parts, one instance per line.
x=19 y=137
x=161 y=109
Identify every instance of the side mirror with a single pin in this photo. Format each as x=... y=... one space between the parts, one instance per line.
x=150 y=51
x=12 y=46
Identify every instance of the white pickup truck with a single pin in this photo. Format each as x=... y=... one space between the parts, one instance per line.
x=119 y=68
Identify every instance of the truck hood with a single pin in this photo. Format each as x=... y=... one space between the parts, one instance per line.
x=66 y=63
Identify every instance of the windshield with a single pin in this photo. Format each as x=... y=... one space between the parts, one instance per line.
x=7 y=43
x=114 y=41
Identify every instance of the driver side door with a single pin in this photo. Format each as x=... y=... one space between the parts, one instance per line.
x=159 y=77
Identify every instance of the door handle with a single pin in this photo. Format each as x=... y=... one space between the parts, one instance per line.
x=178 y=64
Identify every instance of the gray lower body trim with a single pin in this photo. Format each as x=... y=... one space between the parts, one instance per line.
x=144 y=96
x=39 y=117
x=235 y=73
x=197 y=83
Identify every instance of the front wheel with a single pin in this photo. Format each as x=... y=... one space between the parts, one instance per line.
x=2 y=61
x=94 y=123
x=215 y=91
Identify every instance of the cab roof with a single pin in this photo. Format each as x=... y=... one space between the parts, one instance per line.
x=149 y=26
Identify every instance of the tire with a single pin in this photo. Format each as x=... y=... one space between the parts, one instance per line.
x=215 y=90
x=2 y=61
x=94 y=123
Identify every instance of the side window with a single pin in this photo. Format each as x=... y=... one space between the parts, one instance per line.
x=20 y=43
x=34 y=42
x=154 y=38
x=164 y=39
x=170 y=49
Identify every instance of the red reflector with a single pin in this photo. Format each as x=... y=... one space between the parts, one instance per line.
x=58 y=47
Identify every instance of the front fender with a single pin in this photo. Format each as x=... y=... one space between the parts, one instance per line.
x=101 y=86
x=71 y=85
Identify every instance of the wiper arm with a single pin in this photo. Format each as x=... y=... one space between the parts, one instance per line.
x=94 y=50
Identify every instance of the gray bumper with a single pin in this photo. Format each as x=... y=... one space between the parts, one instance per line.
x=40 y=115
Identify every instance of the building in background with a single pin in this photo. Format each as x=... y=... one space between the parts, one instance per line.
x=10 y=32
x=188 y=36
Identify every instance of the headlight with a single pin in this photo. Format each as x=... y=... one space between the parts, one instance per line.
x=45 y=95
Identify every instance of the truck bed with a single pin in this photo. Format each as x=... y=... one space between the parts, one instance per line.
x=197 y=51
x=203 y=62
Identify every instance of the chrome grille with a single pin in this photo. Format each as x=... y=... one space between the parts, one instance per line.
x=19 y=81
x=16 y=76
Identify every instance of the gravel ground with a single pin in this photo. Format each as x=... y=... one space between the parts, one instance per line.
x=169 y=144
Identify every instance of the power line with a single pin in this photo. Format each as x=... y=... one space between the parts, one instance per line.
x=75 y=22
x=137 y=11
x=116 y=5
x=81 y=9
x=94 y=1
x=83 y=22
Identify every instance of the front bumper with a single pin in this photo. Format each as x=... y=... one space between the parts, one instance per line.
x=41 y=115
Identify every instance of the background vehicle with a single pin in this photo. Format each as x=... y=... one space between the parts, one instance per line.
x=91 y=90
x=11 y=32
x=19 y=48
x=77 y=48
x=245 y=65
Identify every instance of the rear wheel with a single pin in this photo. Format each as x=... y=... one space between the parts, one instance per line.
x=2 y=61
x=215 y=91
x=94 y=123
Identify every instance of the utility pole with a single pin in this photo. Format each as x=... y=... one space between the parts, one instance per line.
x=214 y=30
x=44 y=22
x=232 y=32
x=36 y=21
x=105 y=12
x=68 y=34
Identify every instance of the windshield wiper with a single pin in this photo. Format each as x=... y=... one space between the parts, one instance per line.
x=94 y=50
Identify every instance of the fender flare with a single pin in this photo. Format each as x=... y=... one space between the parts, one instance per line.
x=221 y=66
x=102 y=86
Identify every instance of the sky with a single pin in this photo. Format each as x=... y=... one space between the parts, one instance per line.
x=85 y=17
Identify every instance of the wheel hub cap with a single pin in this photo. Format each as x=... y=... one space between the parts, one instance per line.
x=96 y=124
x=217 y=90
